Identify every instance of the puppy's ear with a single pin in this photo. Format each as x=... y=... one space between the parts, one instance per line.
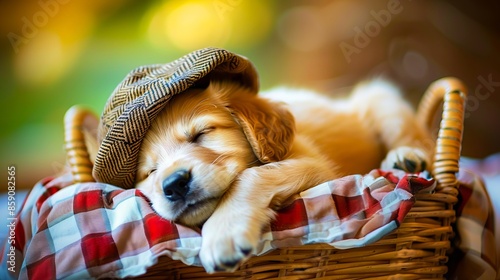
x=268 y=126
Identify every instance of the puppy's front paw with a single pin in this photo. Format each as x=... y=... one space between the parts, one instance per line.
x=227 y=241
x=409 y=159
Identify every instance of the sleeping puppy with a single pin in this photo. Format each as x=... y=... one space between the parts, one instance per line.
x=225 y=158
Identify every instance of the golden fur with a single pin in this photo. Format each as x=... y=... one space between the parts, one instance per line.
x=244 y=155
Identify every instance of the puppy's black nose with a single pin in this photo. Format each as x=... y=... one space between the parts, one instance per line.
x=176 y=185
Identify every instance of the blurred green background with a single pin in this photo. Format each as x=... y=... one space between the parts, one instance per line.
x=58 y=53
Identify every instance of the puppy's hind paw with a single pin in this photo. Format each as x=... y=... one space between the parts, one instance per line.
x=408 y=159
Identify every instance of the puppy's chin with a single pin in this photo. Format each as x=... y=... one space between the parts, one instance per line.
x=186 y=213
x=197 y=214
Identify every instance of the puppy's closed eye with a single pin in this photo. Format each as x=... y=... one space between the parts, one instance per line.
x=151 y=172
x=197 y=137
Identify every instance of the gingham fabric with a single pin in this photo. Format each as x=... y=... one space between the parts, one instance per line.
x=143 y=93
x=475 y=255
x=96 y=230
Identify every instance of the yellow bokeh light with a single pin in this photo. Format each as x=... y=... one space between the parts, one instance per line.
x=188 y=25
x=194 y=25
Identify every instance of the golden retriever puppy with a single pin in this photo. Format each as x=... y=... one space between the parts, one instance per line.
x=225 y=158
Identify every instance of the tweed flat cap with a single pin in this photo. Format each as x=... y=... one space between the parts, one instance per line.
x=143 y=93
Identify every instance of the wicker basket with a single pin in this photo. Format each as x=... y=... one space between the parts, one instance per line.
x=416 y=250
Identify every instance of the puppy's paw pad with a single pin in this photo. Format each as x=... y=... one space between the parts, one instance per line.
x=412 y=160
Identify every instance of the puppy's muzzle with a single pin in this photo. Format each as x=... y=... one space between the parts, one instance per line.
x=176 y=185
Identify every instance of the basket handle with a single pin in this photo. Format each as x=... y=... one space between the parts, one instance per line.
x=452 y=93
x=77 y=122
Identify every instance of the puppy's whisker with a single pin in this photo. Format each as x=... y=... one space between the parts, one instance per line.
x=220 y=157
